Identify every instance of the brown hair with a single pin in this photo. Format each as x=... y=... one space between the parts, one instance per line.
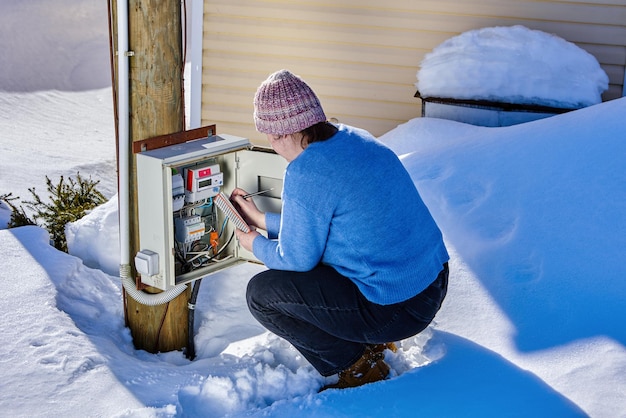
x=319 y=132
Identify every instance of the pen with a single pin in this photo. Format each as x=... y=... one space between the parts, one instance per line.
x=256 y=193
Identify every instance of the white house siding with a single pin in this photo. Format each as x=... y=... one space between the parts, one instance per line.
x=362 y=56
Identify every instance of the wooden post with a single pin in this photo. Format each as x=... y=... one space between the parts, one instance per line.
x=156 y=108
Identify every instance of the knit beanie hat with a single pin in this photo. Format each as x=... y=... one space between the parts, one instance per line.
x=284 y=104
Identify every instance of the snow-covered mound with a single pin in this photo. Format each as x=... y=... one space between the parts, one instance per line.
x=512 y=65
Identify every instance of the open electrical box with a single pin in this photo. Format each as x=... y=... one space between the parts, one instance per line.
x=183 y=235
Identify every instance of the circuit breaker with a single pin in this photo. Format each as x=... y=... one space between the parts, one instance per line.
x=183 y=234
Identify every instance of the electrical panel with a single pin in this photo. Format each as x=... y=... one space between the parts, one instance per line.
x=183 y=233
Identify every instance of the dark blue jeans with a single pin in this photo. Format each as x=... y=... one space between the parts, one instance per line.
x=327 y=319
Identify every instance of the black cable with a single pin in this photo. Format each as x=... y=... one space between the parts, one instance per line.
x=190 y=353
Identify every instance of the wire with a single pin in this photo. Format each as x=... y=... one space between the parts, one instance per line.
x=223 y=227
x=209 y=256
x=232 y=235
x=190 y=353
x=158 y=335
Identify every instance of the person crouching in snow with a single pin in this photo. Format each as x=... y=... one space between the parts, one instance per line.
x=355 y=259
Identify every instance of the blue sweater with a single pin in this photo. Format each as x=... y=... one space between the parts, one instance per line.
x=348 y=202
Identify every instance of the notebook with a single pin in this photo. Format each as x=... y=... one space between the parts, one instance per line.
x=229 y=210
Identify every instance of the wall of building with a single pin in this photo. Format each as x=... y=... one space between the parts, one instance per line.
x=362 y=56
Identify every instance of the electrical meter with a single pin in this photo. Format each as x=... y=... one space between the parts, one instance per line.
x=183 y=235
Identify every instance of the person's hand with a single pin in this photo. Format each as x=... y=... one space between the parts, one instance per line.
x=246 y=239
x=248 y=209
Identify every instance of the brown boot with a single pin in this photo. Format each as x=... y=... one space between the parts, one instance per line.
x=371 y=367
x=380 y=348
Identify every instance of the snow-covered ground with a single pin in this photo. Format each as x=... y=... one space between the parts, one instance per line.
x=534 y=216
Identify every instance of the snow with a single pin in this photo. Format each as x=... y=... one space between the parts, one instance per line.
x=512 y=65
x=534 y=216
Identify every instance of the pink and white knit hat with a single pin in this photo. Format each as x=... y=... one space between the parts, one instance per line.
x=284 y=104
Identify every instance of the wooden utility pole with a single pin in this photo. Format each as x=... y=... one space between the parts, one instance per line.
x=156 y=108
